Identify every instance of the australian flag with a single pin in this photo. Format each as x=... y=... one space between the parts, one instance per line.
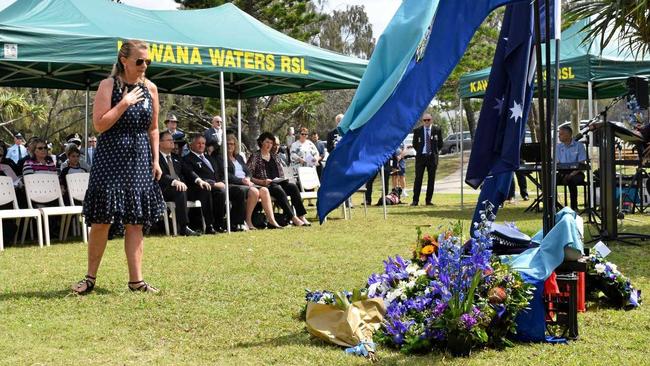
x=414 y=56
x=502 y=122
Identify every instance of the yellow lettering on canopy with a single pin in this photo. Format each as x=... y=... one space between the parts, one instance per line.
x=238 y=55
x=285 y=63
x=216 y=56
x=270 y=63
x=182 y=55
x=303 y=69
x=259 y=61
x=169 y=54
x=196 y=57
x=295 y=65
x=248 y=60
x=230 y=60
x=571 y=74
x=472 y=87
x=155 y=52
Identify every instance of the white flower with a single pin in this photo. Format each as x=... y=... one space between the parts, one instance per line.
x=410 y=284
x=372 y=289
x=612 y=266
x=426 y=291
x=600 y=268
x=392 y=295
x=419 y=273
x=412 y=268
x=401 y=284
x=403 y=297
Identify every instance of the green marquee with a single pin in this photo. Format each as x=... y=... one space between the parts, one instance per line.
x=580 y=63
x=72 y=44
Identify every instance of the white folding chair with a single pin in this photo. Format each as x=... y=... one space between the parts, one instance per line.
x=44 y=188
x=7 y=195
x=77 y=186
x=171 y=206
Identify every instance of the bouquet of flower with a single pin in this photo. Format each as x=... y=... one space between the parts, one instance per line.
x=450 y=295
x=604 y=276
x=344 y=318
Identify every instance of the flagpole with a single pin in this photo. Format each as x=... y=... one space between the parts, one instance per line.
x=547 y=219
x=550 y=115
x=462 y=139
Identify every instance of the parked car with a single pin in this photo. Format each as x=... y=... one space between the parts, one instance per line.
x=408 y=145
x=450 y=143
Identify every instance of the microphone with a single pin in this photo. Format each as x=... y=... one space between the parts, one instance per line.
x=586 y=129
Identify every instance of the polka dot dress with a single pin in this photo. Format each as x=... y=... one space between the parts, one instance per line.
x=122 y=188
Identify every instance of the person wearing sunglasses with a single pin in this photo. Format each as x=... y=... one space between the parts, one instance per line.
x=122 y=189
x=427 y=142
x=41 y=162
x=303 y=151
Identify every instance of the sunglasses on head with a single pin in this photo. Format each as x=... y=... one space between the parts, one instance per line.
x=141 y=61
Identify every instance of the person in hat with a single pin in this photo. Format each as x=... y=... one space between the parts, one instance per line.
x=72 y=140
x=172 y=127
x=18 y=150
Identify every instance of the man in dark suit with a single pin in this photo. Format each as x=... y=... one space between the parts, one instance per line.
x=427 y=141
x=214 y=134
x=208 y=185
x=172 y=182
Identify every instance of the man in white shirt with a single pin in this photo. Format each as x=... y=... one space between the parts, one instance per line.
x=17 y=151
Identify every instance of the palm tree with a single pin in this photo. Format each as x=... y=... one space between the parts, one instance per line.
x=627 y=20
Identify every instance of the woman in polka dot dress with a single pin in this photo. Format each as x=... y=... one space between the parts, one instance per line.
x=122 y=188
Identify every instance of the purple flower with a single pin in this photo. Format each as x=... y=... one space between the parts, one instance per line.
x=468 y=321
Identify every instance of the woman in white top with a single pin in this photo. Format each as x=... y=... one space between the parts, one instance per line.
x=303 y=151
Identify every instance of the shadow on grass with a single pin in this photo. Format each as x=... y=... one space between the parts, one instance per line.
x=301 y=338
x=46 y=295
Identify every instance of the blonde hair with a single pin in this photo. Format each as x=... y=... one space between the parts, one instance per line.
x=125 y=51
x=231 y=137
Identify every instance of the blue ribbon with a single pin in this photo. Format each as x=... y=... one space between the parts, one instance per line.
x=361 y=349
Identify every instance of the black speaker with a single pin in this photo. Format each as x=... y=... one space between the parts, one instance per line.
x=638 y=87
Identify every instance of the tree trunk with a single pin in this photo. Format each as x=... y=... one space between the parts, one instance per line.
x=252 y=115
x=471 y=121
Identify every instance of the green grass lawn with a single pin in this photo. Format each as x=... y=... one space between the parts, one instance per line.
x=234 y=299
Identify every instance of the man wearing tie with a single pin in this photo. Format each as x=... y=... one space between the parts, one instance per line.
x=172 y=184
x=92 y=145
x=427 y=141
x=209 y=188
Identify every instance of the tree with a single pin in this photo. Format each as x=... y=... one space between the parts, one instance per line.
x=17 y=113
x=627 y=20
x=348 y=32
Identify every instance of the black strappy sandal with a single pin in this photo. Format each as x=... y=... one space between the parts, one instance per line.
x=142 y=286
x=84 y=286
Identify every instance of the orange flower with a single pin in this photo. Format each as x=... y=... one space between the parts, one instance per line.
x=428 y=249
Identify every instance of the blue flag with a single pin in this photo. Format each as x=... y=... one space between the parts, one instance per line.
x=555 y=20
x=419 y=49
x=502 y=122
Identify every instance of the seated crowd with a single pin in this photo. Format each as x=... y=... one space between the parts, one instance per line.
x=192 y=172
